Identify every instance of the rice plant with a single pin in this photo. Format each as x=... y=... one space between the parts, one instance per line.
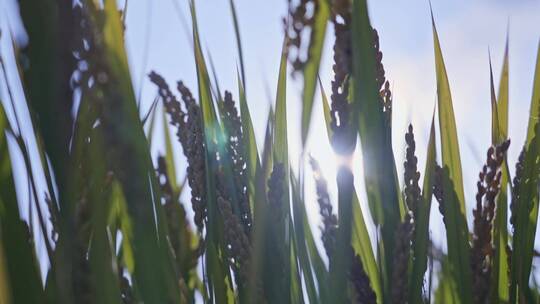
x=113 y=223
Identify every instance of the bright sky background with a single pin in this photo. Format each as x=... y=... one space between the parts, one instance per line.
x=467 y=30
x=158 y=39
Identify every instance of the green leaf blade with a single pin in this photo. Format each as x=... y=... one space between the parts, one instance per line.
x=379 y=165
x=453 y=193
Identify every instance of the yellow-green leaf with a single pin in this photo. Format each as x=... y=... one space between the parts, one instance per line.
x=453 y=194
x=447 y=123
x=362 y=246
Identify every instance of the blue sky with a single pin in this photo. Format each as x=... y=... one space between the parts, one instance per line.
x=158 y=39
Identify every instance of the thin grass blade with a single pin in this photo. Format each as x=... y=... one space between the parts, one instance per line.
x=499 y=123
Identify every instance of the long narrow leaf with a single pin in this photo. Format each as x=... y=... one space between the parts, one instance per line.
x=499 y=123
x=362 y=246
x=379 y=165
x=526 y=203
x=453 y=195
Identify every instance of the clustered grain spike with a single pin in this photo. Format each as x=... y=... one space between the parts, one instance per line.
x=402 y=252
x=358 y=279
x=329 y=219
x=438 y=189
x=380 y=73
x=344 y=138
x=276 y=220
x=362 y=291
x=299 y=22
x=405 y=230
x=516 y=182
x=172 y=105
x=177 y=226
x=527 y=163
x=238 y=243
x=275 y=192
x=482 y=248
x=191 y=136
x=411 y=174
x=382 y=84
x=237 y=153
